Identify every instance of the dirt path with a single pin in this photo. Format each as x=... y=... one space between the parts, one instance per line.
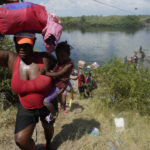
x=69 y=129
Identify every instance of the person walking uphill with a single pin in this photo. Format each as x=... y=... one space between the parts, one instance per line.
x=31 y=88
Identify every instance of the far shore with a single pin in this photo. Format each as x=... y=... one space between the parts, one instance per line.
x=121 y=22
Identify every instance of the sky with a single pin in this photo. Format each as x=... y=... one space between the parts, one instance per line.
x=74 y=8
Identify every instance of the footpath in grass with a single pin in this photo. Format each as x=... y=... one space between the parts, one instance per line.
x=72 y=129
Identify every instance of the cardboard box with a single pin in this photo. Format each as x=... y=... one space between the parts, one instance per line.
x=81 y=64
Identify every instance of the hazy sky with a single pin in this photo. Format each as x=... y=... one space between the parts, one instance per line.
x=91 y=7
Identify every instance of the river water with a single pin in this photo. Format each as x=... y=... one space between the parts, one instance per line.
x=99 y=46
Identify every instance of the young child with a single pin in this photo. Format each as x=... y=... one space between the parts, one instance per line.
x=60 y=74
x=89 y=85
x=63 y=97
x=81 y=84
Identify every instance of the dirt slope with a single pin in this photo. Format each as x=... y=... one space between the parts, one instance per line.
x=69 y=129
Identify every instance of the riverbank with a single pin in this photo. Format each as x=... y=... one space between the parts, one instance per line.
x=131 y=21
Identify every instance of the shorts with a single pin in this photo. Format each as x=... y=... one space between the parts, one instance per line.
x=26 y=117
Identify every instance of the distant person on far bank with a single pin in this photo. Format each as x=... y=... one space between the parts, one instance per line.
x=141 y=53
x=82 y=80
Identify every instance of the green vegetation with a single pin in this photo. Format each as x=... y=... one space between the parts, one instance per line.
x=7 y=97
x=123 y=87
x=85 y=22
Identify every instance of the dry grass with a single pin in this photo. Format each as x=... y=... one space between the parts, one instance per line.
x=7 y=121
x=135 y=135
x=71 y=130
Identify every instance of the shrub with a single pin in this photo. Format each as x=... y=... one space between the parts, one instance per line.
x=7 y=97
x=128 y=88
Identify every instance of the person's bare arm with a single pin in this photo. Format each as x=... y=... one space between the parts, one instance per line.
x=7 y=59
x=49 y=61
x=61 y=91
x=60 y=73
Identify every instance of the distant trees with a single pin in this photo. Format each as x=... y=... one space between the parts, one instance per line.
x=83 y=19
x=130 y=21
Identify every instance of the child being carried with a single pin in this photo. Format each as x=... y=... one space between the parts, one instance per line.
x=60 y=75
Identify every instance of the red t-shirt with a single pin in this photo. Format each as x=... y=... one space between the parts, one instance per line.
x=79 y=80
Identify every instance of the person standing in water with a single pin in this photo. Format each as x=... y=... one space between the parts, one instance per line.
x=142 y=54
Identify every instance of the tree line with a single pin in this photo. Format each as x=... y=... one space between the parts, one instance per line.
x=130 y=21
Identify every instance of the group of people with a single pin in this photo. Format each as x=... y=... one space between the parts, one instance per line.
x=39 y=79
x=135 y=58
x=86 y=83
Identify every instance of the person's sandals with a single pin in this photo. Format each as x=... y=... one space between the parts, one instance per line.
x=65 y=111
x=50 y=117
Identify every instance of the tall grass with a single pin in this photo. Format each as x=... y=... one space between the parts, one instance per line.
x=7 y=97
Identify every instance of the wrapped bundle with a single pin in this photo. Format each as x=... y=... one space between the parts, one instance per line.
x=22 y=17
x=30 y=17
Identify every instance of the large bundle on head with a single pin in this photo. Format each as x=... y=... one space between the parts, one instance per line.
x=18 y=17
x=30 y=17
